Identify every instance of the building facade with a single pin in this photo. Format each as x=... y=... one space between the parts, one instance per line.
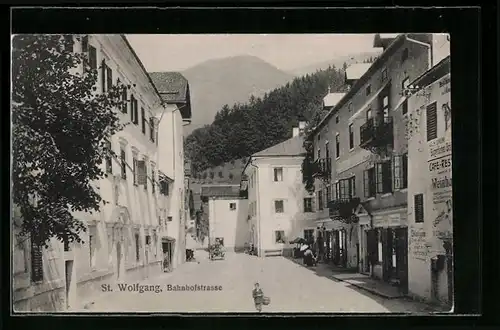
x=279 y=207
x=227 y=221
x=361 y=151
x=430 y=209
x=122 y=241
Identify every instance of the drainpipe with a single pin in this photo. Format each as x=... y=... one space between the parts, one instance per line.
x=429 y=50
x=259 y=243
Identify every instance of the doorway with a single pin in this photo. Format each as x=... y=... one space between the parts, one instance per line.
x=167 y=250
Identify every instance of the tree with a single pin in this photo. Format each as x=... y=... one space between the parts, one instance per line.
x=60 y=126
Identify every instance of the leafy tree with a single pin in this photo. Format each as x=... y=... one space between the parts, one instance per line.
x=59 y=127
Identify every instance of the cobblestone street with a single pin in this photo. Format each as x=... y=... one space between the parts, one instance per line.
x=291 y=287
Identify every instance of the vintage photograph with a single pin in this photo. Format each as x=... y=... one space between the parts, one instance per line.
x=243 y=173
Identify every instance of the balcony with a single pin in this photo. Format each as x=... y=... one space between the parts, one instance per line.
x=376 y=133
x=322 y=168
x=342 y=209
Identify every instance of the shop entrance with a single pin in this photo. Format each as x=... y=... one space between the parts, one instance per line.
x=168 y=254
x=395 y=252
x=340 y=248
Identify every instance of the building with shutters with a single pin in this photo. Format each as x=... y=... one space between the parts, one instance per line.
x=144 y=185
x=360 y=152
x=279 y=207
x=430 y=209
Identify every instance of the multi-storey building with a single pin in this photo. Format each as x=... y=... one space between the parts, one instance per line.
x=122 y=241
x=362 y=194
x=279 y=207
x=430 y=209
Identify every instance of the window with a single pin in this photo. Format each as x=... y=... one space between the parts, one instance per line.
x=279 y=206
x=400 y=171
x=345 y=189
x=351 y=137
x=369 y=182
x=132 y=111
x=385 y=105
x=431 y=121
x=404 y=55
x=164 y=188
x=309 y=234
x=308 y=205
x=279 y=236
x=350 y=107
x=148 y=240
x=368 y=89
x=85 y=44
x=152 y=130
x=137 y=248
x=232 y=206
x=320 y=200
x=36 y=262
x=384 y=75
x=134 y=168
x=211 y=175
x=278 y=174
x=368 y=113
x=328 y=194
x=109 y=77
x=145 y=174
x=124 y=99
x=221 y=175
x=384 y=177
x=103 y=75
x=169 y=219
x=136 y=112
x=418 y=205
x=123 y=164
x=231 y=176
x=108 y=160
x=143 y=116
x=336 y=119
x=92 y=58
x=337 y=145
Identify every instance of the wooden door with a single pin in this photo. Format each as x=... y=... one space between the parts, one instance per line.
x=402 y=258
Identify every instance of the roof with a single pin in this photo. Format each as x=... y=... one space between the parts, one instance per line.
x=220 y=191
x=332 y=98
x=379 y=62
x=433 y=74
x=172 y=86
x=356 y=71
x=384 y=39
x=290 y=147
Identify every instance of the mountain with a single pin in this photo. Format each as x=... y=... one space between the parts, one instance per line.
x=217 y=82
x=337 y=62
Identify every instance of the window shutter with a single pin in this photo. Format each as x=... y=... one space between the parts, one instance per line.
x=132 y=103
x=379 y=178
x=110 y=78
x=103 y=75
x=152 y=129
x=366 y=182
x=387 y=176
x=141 y=172
x=396 y=170
x=136 y=112
x=143 y=115
x=404 y=170
x=418 y=205
x=431 y=121
x=85 y=44
x=92 y=58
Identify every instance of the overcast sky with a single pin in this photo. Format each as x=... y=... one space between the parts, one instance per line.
x=176 y=52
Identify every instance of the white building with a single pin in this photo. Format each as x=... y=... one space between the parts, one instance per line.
x=227 y=215
x=280 y=209
x=430 y=209
x=144 y=188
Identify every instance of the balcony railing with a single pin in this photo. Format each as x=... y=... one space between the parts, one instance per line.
x=342 y=209
x=322 y=168
x=376 y=132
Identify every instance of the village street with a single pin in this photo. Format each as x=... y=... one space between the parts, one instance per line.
x=291 y=287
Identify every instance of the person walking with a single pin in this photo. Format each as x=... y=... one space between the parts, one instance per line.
x=258 y=297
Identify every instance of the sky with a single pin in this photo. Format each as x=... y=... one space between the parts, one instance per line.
x=177 y=52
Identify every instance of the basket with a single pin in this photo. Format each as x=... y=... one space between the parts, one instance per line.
x=266 y=301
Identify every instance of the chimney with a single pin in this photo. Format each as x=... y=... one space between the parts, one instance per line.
x=296 y=132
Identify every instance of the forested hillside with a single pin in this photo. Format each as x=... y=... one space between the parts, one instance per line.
x=244 y=129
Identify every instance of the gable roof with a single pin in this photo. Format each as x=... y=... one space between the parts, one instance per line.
x=290 y=147
x=220 y=191
x=332 y=98
x=172 y=86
